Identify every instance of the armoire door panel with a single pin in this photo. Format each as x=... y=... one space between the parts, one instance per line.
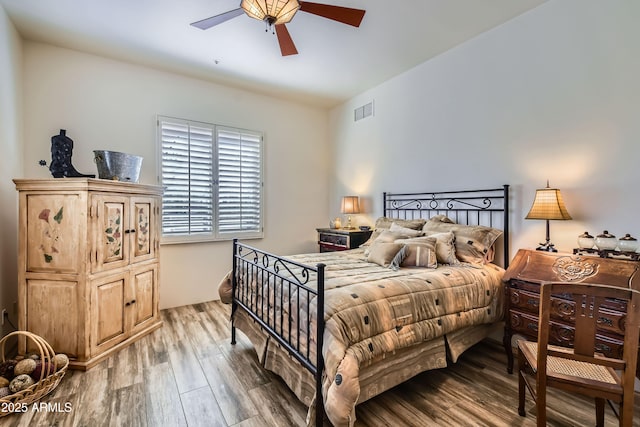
x=111 y=232
x=53 y=232
x=143 y=229
x=52 y=313
x=109 y=315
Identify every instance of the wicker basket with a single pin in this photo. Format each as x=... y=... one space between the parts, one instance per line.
x=45 y=385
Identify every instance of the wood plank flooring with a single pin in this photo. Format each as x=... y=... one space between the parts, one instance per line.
x=188 y=374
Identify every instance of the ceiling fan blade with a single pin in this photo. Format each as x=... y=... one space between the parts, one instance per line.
x=346 y=15
x=286 y=42
x=218 y=19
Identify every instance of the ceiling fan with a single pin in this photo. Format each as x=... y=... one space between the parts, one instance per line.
x=276 y=13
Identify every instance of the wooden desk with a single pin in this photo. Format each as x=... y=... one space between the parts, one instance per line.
x=530 y=268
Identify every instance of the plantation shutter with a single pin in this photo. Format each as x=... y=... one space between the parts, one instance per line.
x=212 y=177
x=239 y=181
x=187 y=175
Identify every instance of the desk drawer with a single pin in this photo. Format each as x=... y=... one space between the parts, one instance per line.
x=609 y=321
x=524 y=301
x=530 y=288
x=560 y=334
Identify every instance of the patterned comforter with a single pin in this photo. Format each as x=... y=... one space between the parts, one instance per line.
x=372 y=312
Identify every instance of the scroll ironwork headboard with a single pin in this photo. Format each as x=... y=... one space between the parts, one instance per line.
x=488 y=207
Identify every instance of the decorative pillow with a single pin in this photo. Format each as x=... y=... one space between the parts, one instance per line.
x=416 y=253
x=473 y=242
x=442 y=218
x=490 y=255
x=420 y=255
x=410 y=232
x=415 y=224
x=382 y=253
x=384 y=223
x=445 y=247
x=385 y=236
x=374 y=235
x=419 y=239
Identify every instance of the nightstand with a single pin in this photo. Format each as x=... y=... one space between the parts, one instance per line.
x=341 y=239
x=530 y=268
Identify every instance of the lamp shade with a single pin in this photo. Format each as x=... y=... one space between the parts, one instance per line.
x=273 y=11
x=548 y=204
x=350 y=205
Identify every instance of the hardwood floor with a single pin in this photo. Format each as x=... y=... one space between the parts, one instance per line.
x=188 y=374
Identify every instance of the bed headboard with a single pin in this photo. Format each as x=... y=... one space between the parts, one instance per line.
x=488 y=207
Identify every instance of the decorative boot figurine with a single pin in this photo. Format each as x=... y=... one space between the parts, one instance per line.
x=61 y=151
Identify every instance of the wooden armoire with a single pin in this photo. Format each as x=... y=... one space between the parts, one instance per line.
x=88 y=264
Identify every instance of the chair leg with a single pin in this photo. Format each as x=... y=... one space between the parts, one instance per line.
x=600 y=412
x=521 y=385
x=521 y=393
x=541 y=415
x=626 y=410
x=541 y=401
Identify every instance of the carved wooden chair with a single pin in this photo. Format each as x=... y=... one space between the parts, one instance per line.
x=580 y=369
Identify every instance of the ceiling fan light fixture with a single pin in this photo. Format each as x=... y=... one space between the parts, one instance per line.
x=273 y=12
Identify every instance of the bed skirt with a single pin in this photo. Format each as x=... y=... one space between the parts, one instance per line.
x=376 y=376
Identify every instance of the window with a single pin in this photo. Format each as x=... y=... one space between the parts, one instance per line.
x=213 y=181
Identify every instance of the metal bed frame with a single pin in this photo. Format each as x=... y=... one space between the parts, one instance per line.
x=473 y=207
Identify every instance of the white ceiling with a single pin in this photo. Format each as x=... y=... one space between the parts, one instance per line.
x=335 y=61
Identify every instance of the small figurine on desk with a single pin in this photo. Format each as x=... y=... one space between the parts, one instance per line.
x=335 y=223
x=61 y=152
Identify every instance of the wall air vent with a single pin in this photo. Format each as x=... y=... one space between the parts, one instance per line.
x=363 y=112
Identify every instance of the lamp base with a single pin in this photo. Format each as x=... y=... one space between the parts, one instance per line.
x=547 y=247
x=349 y=226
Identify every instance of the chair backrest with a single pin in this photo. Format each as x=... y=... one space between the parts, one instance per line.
x=582 y=302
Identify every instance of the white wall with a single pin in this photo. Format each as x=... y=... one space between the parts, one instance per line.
x=106 y=104
x=553 y=94
x=10 y=161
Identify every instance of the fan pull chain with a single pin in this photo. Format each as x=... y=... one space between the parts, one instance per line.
x=268 y=26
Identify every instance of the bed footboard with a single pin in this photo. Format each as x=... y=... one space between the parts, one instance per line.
x=278 y=294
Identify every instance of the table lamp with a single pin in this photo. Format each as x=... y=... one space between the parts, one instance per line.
x=548 y=205
x=350 y=205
